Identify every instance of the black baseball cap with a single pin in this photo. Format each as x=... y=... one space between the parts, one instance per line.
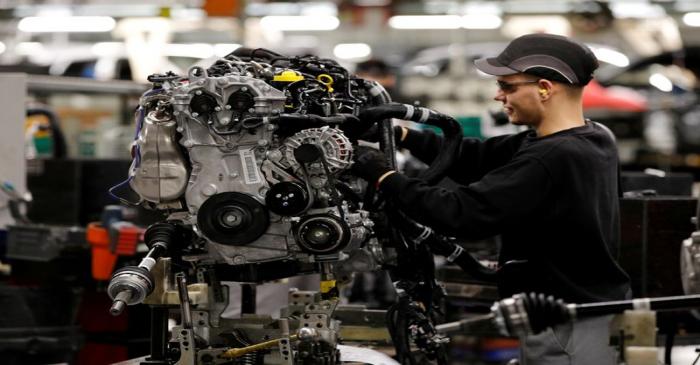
x=549 y=56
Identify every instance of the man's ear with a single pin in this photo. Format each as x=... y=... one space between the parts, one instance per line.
x=545 y=89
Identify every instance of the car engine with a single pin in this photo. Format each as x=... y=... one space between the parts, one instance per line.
x=253 y=157
x=249 y=162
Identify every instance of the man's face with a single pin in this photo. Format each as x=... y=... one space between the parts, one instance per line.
x=520 y=98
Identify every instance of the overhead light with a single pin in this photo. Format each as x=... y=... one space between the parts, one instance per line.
x=481 y=21
x=349 y=51
x=2 y=47
x=611 y=56
x=300 y=22
x=223 y=49
x=29 y=48
x=692 y=19
x=63 y=24
x=661 y=82
x=425 y=22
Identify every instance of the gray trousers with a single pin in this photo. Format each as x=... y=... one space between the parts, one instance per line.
x=584 y=342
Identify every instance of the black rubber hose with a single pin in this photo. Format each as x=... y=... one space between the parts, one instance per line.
x=387 y=142
x=252 y=54
x=463 y=259
x=377 y=92
x=451 y=128
x=441 y=246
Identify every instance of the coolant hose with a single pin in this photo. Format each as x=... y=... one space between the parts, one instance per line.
x=450 y=127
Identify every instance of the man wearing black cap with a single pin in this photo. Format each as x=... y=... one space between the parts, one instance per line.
x=551 y=192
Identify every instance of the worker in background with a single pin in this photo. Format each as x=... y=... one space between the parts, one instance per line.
x=377 y=70
x=551 y=192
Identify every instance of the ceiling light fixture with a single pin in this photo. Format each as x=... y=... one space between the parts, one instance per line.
x=425 y=22
x=692 y=19
x=352 y=51
x=66 y=24
x=611 y=56
x=661 y=82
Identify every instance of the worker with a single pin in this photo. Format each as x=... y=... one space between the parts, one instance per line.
x=551 y=192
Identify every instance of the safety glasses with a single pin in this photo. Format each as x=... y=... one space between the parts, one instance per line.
x=509 y=87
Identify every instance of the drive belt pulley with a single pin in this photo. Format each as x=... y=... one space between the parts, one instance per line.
x=232 y=218
x=321 y=234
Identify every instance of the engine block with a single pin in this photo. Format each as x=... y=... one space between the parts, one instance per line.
x=252 y=154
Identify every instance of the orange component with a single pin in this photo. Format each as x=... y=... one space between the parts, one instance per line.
x=499 y=343
x=103 y=259
x=225 y=8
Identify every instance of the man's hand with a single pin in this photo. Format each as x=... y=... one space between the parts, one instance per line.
x=370 y=164
x=372 y=134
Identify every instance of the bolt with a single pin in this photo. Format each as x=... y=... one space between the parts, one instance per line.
x=244 y=88
x=198 y=92
x=227 y=107
x=195 y=114
x=217 y=108
x=209 y=190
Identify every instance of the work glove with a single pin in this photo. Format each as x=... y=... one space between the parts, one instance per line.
x=372 y=134
x=370 y=164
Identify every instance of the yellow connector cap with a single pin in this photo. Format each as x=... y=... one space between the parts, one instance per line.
x=288 y=76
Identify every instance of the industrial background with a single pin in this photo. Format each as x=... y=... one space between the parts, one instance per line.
x=72 y=77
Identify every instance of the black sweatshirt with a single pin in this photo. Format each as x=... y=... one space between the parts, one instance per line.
x=553 y=200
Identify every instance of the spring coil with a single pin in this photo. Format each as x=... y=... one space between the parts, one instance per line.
x=249 y=359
